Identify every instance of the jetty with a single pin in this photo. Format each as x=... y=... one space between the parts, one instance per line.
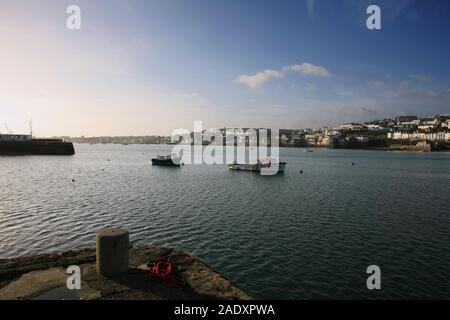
x=113 y=271
x=22 y=144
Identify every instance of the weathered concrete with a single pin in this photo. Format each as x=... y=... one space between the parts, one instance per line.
x=112 y=252
x=44 y=277
x=15 y=267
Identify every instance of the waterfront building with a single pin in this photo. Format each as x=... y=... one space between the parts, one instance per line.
x=15 y=137
x=362 y=139
x=410 y=125
x=401 y=119
x=372 y=126
x=284 y=139
x=420 y=136
x=352 y=126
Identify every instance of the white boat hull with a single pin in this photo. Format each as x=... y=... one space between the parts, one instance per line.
x=255 y=167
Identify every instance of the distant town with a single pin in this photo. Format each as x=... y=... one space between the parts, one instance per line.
x=403 y=133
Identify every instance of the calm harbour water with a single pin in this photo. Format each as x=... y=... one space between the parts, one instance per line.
x=291 y=236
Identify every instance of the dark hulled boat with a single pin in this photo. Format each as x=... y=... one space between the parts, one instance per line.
x=166 y=161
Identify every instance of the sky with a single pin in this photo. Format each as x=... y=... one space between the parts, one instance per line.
x=150 y=67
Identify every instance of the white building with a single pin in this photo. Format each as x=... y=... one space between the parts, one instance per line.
x=424 y=136
x=352 y=126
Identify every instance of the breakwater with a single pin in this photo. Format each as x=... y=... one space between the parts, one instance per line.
x=42 y=277
x=37 y=147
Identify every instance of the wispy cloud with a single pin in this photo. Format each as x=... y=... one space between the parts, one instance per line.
x=261 y=77
x=308 y=69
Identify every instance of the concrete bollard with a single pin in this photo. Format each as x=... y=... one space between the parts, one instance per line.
x=112 y=252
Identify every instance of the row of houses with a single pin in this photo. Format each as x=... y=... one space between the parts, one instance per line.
x=401 y=123
x=421 y=136
x=433 y=129
x=376 y=132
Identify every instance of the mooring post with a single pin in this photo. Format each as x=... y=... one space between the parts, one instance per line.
x=112 y=252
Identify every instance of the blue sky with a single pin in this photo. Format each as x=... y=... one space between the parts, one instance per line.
x=149 y=67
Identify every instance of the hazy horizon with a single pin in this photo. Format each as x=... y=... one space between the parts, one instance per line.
x=149 y=67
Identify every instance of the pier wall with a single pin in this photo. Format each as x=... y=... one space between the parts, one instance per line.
x=37 y=147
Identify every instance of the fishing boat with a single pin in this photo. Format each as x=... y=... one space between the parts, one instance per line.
x=259 y=166
x=166 y=161
x=243 y=167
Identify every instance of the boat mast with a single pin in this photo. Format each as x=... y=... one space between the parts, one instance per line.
x=31 y=127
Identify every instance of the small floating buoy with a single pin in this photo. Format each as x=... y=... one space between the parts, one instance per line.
x=73 y=180
x=301 y=171
x=109 y=160
x=353 y=163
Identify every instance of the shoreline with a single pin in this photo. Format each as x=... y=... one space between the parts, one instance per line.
x=285 y=147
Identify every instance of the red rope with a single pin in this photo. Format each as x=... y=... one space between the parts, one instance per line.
x=164 y=270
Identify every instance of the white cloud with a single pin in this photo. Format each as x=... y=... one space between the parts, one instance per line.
x=308 y=69
x=259 y=78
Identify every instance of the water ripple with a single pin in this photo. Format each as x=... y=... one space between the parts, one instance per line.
x=291 y=237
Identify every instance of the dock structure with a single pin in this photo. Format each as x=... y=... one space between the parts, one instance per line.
x=21 y=144
x=45 y=276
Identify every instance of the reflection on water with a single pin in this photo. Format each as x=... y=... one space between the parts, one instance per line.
x=309 y=235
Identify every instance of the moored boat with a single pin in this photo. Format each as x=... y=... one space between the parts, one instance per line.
x=259 y=166
x=167 y=161
x=243 y=167
x=281 y=166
